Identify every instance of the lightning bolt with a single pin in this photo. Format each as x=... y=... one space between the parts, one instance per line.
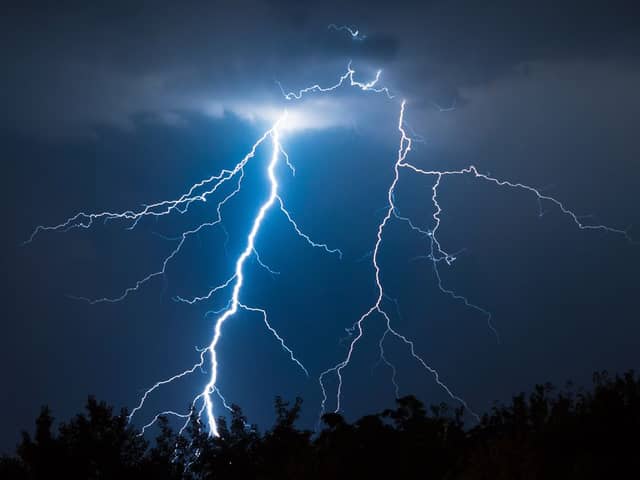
x=203 y=191
x=237 y=279
x=436 y=255
x=403 y=150
x=352 y=30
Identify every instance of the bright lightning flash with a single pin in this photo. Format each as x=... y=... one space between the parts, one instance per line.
x=203 y=403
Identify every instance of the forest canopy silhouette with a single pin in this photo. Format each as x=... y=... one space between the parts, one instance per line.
x=549 y=433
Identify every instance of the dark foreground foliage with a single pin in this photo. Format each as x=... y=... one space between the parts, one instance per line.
x=545 y=435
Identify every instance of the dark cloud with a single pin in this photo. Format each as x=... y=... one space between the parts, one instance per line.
x=81 y=64
x=75 y=67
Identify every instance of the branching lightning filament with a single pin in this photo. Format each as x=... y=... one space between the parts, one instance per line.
x=203 y=191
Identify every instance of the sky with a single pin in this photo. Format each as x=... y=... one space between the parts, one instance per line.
x=109 y=107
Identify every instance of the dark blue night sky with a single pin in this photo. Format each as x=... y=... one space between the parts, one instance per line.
x=109 y=108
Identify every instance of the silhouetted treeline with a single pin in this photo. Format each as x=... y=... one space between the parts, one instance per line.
x=547 y=434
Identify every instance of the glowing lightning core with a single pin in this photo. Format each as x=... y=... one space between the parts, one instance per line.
x=233 y=308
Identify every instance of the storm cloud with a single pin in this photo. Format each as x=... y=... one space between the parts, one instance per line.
x=81 y=65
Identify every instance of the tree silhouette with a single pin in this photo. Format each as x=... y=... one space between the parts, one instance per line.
x=547 y=434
